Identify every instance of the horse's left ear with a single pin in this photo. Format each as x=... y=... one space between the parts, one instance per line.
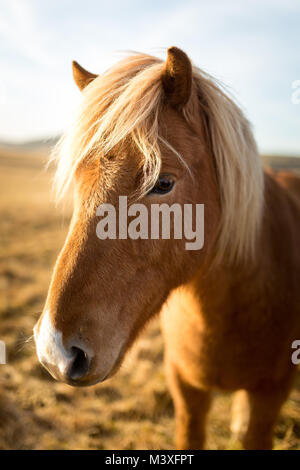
x=177 y=77
x=81 y=76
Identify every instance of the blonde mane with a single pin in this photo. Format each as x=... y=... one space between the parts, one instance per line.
x=126 y=101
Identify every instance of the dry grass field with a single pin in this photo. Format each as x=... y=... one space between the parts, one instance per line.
x=133 y=410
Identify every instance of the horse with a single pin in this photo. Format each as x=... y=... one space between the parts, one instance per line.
x=167 y=132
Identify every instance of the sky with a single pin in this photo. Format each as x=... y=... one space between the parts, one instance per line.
x=252 y=46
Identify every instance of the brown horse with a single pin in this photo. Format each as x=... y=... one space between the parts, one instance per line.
x=166 y=132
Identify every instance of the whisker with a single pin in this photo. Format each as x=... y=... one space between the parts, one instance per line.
x=25 y=342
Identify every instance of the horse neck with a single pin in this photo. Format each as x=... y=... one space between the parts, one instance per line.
x=233 y=289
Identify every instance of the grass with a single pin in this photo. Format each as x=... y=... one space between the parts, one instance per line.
x=133 y=410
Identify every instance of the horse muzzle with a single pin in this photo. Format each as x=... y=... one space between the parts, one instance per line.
x=71 y=364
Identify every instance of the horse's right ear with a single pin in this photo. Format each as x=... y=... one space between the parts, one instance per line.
x=81 y=76
x=177 y=77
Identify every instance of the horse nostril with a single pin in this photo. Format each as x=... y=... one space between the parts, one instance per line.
x=80 y=364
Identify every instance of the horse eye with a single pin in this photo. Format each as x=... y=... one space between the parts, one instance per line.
x=163 y=185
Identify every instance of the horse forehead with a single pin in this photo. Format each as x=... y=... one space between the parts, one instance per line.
x=175 y=130
x=118 y=176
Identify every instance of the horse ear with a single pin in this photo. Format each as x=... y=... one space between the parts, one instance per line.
x=81 y=76
x=177 y=77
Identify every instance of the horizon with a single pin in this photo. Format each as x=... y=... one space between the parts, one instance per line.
x=50 y=142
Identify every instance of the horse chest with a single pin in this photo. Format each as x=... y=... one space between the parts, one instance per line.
x=226 y=355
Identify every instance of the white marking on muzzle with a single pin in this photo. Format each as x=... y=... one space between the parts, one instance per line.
x=49 y=345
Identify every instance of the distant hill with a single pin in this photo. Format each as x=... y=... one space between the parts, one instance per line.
x=30 y=144
x=30 y=154
x=281 y=162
